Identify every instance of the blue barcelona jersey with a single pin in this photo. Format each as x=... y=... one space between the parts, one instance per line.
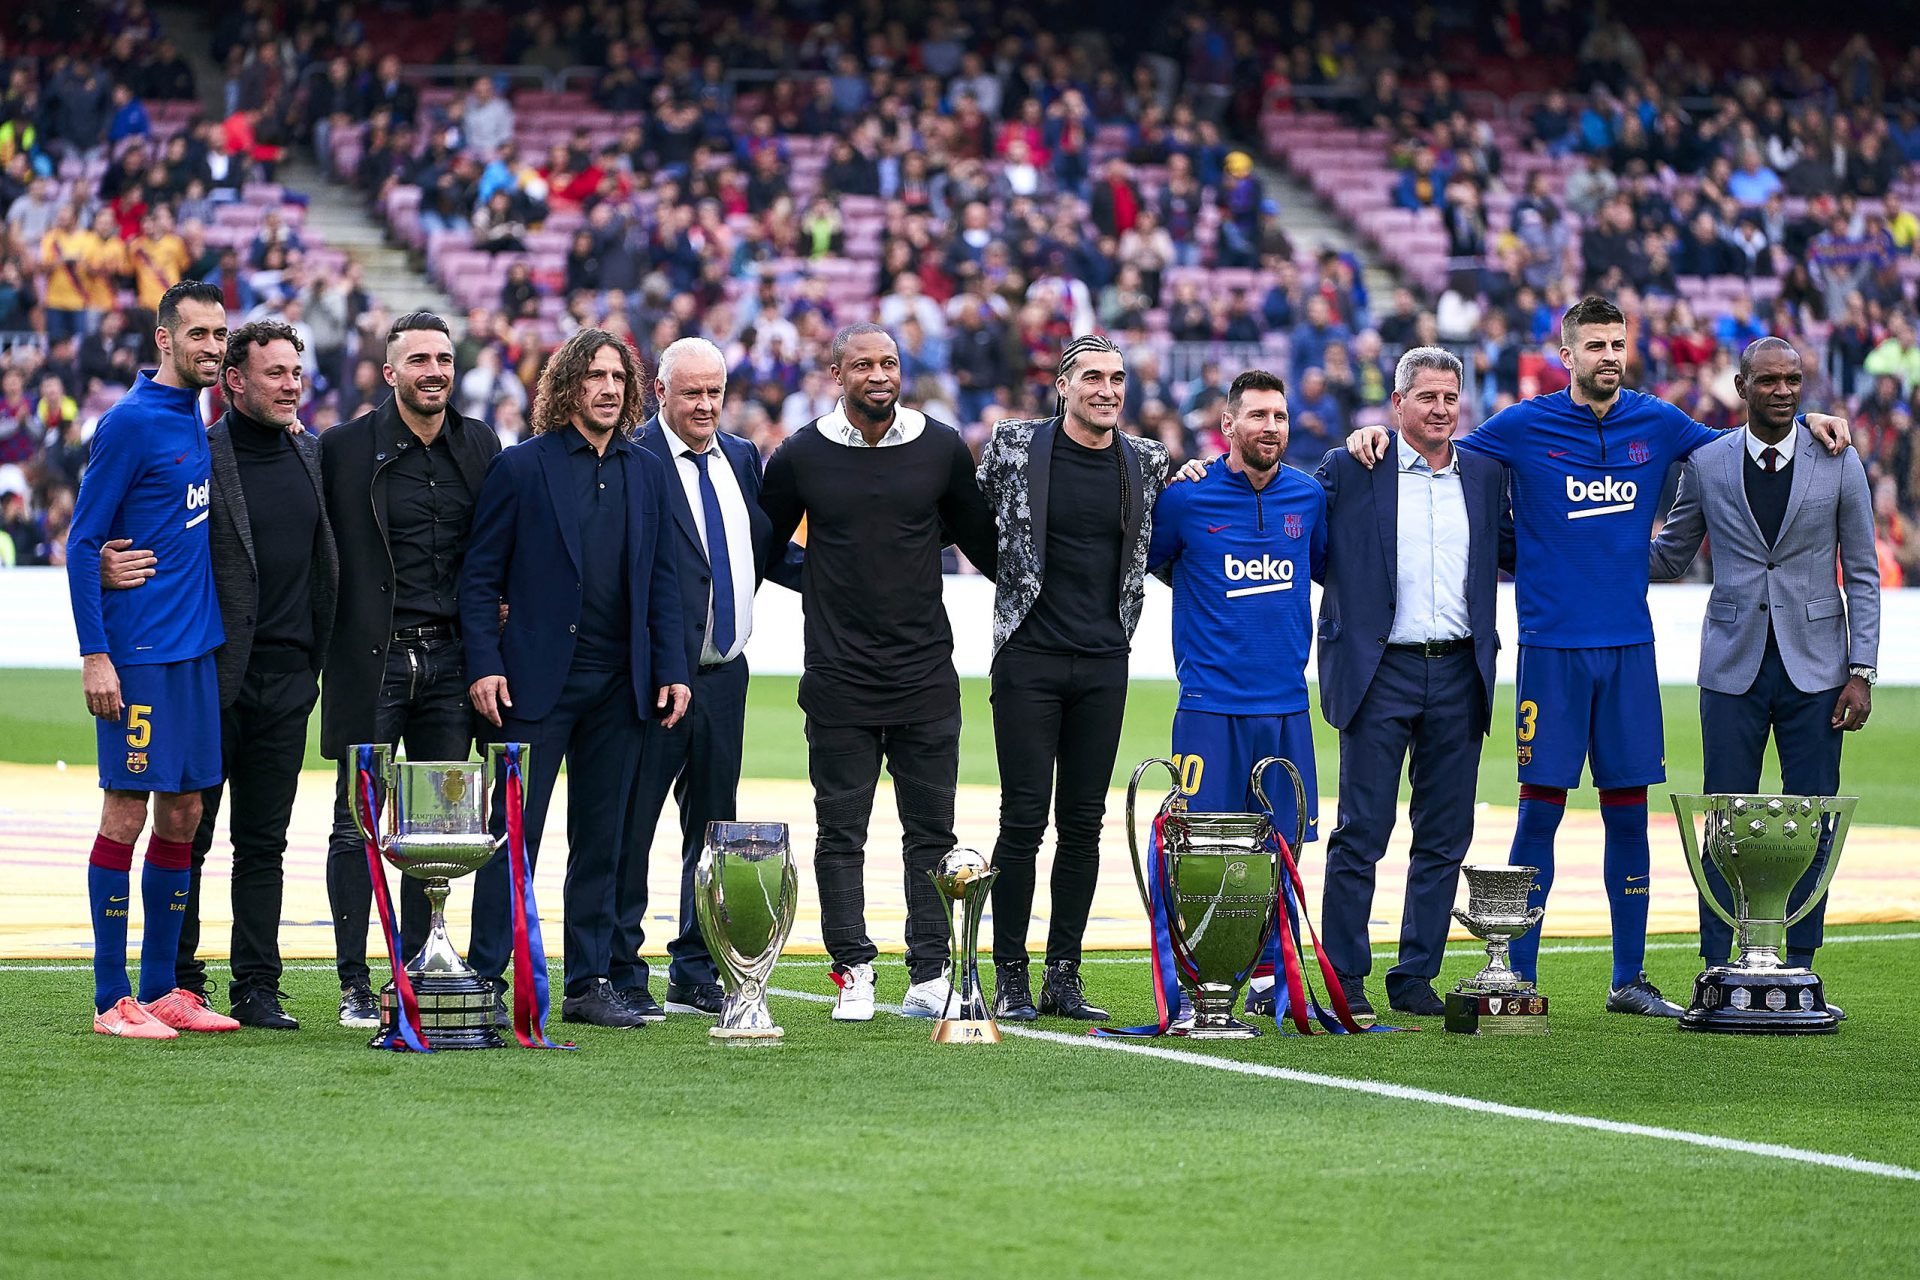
x=1584 y=496
x=1242 y=559
x=148 y=478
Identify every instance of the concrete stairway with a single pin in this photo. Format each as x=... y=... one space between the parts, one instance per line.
x=1313 y=226
x=338 y=217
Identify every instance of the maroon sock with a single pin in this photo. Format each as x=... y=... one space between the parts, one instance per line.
x=111 y=854
x=171 y=855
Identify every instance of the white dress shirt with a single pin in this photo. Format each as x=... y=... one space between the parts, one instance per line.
x=733 y=515
x=907 y=426
x=1756 y=446
x=1431 y=556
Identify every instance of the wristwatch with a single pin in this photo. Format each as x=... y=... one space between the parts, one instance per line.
x=1868 y=674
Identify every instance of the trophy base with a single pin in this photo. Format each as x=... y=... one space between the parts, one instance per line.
x=746 y=1036
x=1481 y=1013
x=1760 y=1002
x=966 y=1031
x=1225 y=1027
x=456 y=1011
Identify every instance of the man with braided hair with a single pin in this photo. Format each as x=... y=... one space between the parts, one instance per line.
x=1076 y=493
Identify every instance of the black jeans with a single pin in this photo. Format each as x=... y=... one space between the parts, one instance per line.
x=844 y=764
x=1052 y=711
x=263 y=742
x=423 y=704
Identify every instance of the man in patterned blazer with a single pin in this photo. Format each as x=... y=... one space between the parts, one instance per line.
x=1076 y=493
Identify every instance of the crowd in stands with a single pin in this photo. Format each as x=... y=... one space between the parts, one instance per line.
x=988 y=182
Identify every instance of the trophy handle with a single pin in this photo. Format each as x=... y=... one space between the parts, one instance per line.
x=381 y=767
x=1299 y=798
x=1533 y=916
x=1684 y=808
x=1841 y=807
x=1465 y=922
x=1133 y=842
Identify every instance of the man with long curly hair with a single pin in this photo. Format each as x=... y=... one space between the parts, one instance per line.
x=569 y=534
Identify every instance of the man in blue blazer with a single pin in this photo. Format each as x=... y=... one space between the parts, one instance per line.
x=713 y=484
x=570 y=534
x=1407 y=644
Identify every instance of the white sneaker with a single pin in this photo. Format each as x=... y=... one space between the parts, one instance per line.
x=856 y=994
x=927 y=999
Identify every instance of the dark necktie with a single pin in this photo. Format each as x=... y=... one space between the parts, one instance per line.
x=719 y=563
x=1769 y=459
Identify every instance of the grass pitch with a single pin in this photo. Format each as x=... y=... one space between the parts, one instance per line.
x=866 y=1151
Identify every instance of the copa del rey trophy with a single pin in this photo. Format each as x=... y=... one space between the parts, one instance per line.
x=1497 y=1001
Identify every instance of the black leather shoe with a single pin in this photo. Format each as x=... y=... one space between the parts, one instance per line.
x=1354 y=988
x=1061 y=995
x=600 y=1006
x=1643 y=998
x=358 y=1008
x=641 y=1001
x=695 y=997
x=502 y=1016
x=1012 y=996
x=260 y=1007
x=1418 y=999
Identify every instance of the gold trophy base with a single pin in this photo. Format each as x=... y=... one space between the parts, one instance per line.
x=966 y=1031
x=746 y=1035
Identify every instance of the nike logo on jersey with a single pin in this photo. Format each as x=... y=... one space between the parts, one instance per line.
x=182 y=458
x=1558 y=453
x=1611 y=496
x=1215 y=528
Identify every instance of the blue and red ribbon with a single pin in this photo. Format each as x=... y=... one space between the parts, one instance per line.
x=1167 y=963
x=1296 y=1001
x=531 y=996
x=405 y=1034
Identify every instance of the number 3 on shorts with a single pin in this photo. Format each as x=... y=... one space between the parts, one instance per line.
x=139 y=728
x=1529 y=711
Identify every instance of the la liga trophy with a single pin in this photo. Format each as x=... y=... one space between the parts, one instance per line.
x=745 y=890
x=1763 y=846
x=963 y=879
x=1497 y=1001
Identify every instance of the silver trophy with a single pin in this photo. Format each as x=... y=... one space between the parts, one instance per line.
x=1497 y=1000
x=436 y=831
x=963 y=879
x=1762 y=845
x=745 y=890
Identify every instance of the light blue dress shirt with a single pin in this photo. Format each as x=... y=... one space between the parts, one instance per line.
x=1431 y=558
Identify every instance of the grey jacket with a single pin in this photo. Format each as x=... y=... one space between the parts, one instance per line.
x=1013 y=475
x=1819 y=631
x=235 y=575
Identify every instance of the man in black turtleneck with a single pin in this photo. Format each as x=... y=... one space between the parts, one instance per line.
x=276 y=576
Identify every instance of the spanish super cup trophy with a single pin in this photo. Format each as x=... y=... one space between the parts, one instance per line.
x=963 y=878
x=436 y=831
x=1220 y=876
x=1763 y=845
x=745 y=890
x=1497 y=1001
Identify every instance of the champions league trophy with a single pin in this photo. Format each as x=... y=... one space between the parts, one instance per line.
x=436 y=831
x=1497 y=1001
x=1763 y=845
x=1219 y=873
x=963 y=879
x=745 y=890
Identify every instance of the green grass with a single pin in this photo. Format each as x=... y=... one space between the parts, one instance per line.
x=865 y=1151
x=41 y=720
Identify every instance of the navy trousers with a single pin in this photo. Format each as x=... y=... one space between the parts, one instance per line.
x=1733 y=736
x=1429 y=709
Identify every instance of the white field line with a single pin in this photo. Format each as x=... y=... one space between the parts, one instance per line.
x=1407 y=1093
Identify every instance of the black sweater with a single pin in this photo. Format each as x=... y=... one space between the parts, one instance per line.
x=283 y=511
x=879 y=650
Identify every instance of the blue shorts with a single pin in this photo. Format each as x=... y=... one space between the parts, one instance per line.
x=1576 y=704
x=1216 y=754
x=168 y=738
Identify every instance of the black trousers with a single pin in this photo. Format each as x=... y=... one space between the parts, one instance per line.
x=1431 y=707
x=595 y=729
x=698 y=760
x=263 y=742
x=1052 y=712
x=1733 y=735
x=423 y=704
x=844 y=764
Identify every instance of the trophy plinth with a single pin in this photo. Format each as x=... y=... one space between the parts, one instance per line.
x=745 y=889
x=963 y=879
x=1496 y=1000
x=1762 y=846
x=436 y=831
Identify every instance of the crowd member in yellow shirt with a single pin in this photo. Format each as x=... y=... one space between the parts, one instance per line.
x=67 y=252
x=158 y=258
x=105 y=267
x=1902 y=227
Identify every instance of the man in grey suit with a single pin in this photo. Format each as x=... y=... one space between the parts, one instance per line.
x=1782 y=649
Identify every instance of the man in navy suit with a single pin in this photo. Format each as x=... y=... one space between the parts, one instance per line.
x=570 y=534
x=1407 y=647
x=717 y=538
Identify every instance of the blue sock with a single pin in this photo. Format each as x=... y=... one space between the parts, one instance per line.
x=109 y=885
x=1624 y=871
x=1541 y=809
x=165 y=877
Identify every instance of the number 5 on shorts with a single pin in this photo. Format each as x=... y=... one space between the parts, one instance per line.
x=139 y=728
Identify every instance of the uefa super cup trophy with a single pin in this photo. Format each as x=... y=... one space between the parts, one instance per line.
x=745 y=890
x=436 y=831
x=1220 y=874
x=1762 y=845
x=1497 y=1001
x=963 y=879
